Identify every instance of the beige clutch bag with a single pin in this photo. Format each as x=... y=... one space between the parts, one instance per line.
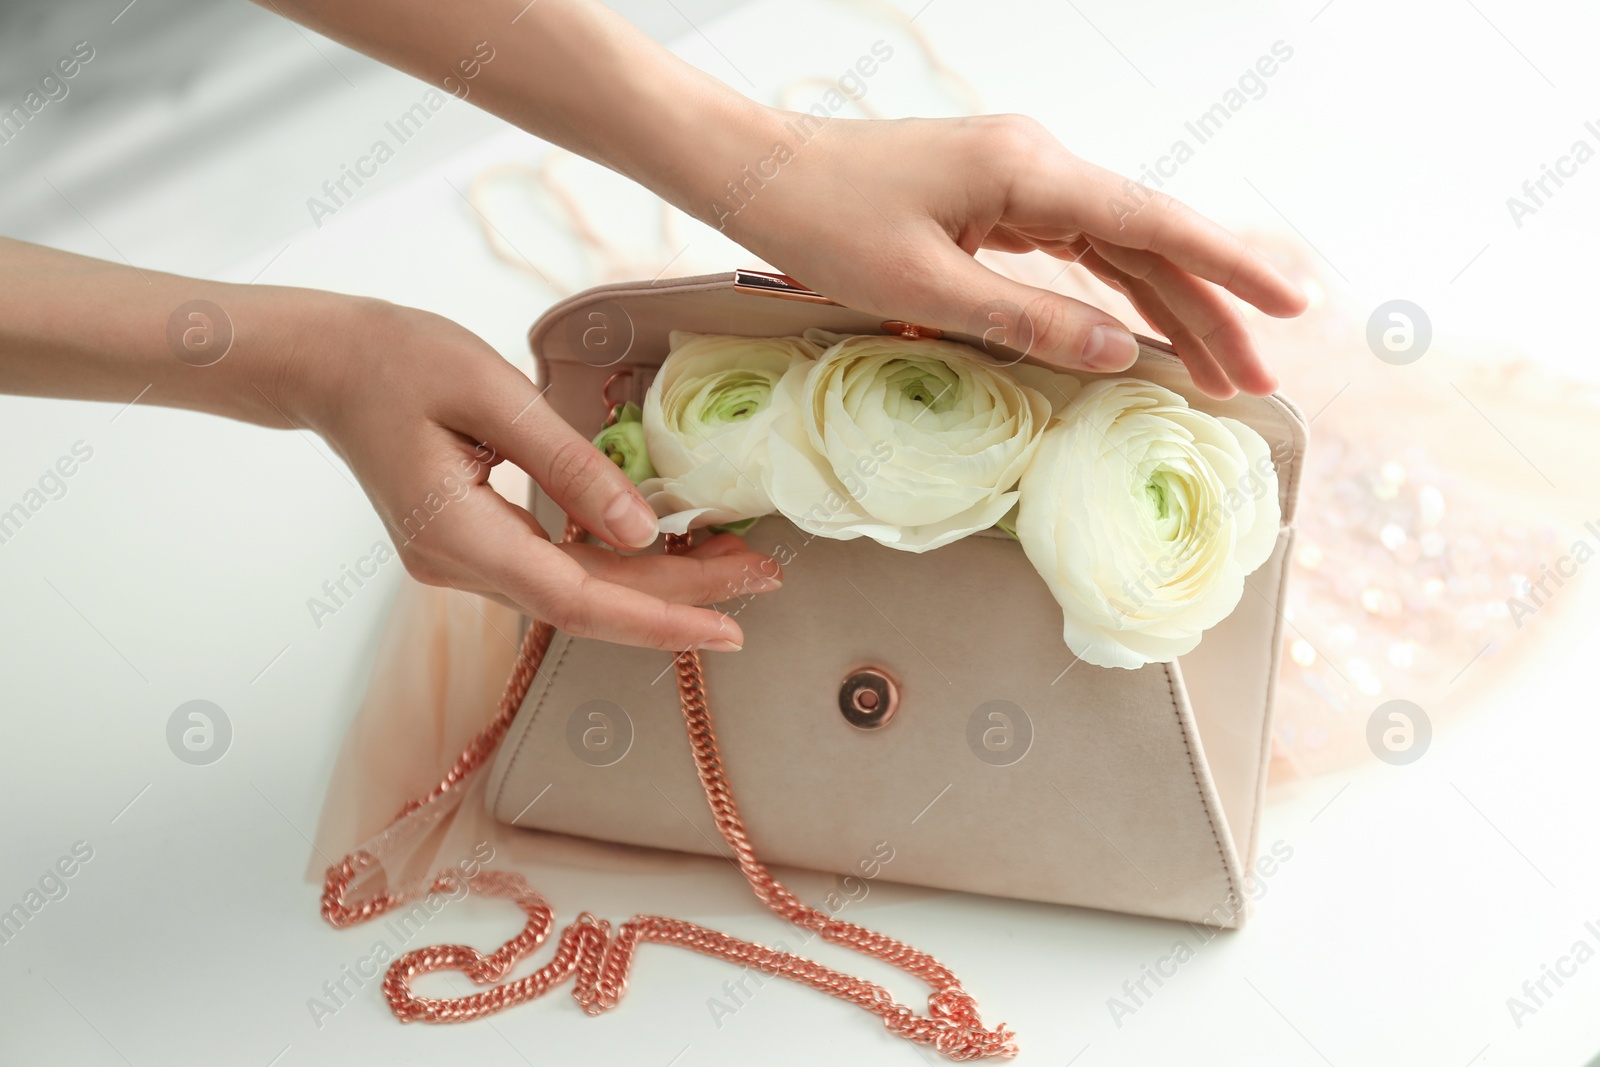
x=1005 y=767
x=912 y=717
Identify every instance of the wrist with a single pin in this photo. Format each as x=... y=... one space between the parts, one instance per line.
x=727 y=148
x=290 y=353
x=308 y=359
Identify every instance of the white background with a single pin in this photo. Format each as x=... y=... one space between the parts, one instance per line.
x=178 y=565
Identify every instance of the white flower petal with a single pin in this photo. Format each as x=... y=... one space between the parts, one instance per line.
x=708 y=447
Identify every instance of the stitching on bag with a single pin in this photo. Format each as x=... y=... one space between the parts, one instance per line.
x=1264 y=756
x=516 y=755
x=1292 y=490
x=1211 y=819
x=1289 y=426
x=1295 y=429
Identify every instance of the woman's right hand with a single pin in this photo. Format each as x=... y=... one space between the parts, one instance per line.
x=421 y=409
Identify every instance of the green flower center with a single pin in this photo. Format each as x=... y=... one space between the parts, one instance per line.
x=729 y=398
x=1167 y=497
x=1157 y=494
x=930 y=384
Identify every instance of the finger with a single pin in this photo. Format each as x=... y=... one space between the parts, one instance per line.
x=683 y=579
x=719 y=545
x=466 y=586
x=590 y=488
x=1208 y=375
x=485 y=538
x=1206 y=311
x=466 y=581
x=1114 y=208
x=1055 y=328
x=524 y=516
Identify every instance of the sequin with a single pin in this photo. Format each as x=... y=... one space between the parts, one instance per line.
x=1430 y=506
x=1397 y=593
x=1365 y=680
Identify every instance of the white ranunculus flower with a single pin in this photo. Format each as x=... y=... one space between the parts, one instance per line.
x=706 y=420
x=1144 y=517
x=911 y=442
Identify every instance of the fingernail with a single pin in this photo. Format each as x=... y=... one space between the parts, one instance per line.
x=631 y=521
x=720 y=644
x=1109 y=348
x=758 y=584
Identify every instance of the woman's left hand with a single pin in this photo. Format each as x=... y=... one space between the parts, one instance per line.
x=886 y=215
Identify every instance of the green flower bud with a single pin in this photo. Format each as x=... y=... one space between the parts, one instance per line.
x=623 y=444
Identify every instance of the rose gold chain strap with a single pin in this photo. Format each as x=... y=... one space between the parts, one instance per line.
x=599 y=958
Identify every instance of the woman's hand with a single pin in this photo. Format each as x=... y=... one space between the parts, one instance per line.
x=421 y=409
x=886 y=215
x=882 y=215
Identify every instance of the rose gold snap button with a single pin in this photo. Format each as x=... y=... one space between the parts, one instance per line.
x=868 y=698
x=897 y=328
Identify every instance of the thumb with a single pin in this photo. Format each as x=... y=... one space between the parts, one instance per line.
x=967 y=297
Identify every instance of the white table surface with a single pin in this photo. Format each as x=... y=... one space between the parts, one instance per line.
x=177 y=567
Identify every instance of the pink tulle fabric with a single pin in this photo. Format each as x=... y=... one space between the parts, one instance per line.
x=437 y=679
x=1432 y=494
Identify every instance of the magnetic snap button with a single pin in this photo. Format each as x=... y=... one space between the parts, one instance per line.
x=868 y=698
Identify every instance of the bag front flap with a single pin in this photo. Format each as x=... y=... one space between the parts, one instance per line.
x=1008 y=768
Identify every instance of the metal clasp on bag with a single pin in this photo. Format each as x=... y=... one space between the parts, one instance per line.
x=769 y=283
x=911 y=330
x=868 y=698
